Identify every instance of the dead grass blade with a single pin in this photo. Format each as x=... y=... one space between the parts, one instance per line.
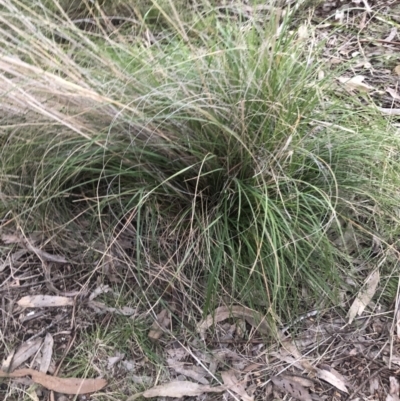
x=45 y=255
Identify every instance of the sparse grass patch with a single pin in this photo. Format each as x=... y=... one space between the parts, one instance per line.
x=102 y=341
x=119 y=348
x=219 y=152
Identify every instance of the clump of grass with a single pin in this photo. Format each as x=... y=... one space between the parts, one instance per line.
x=203 y=144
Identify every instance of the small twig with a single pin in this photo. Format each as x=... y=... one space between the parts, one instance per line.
x=53 y=323
x=299 y=319
x=239 y=341
x=110 y=18
x=67 y=349
x=389 y=42
x=368 y=9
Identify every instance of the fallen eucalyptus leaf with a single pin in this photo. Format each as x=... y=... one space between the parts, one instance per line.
x=11 y=238
x=295 y=389
x=11 y=259
x=393 y=390
x=160 y=324
x=355 y=83
x=194 y=372
x=232 y=384
x=333 y=378
x=32 y=394
x=364 y=297
x=393 y=93
x=303 y=381
x=392 y=35
x=290 y=347
x=178 y=389
x=374 y=384
x=101 y=289
x=142 y=380
x=255 y=319
x=397 y=323
x=6 y=365
x=389 y=112
x=61 y=385
x=100 y=307
x=112 y=360
x=25 y=351
x=47 y=352
x=44 y=301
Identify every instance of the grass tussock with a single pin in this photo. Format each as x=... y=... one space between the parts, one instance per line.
x=210 y=139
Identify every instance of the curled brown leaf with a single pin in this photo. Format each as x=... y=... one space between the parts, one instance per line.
x=61 y=385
